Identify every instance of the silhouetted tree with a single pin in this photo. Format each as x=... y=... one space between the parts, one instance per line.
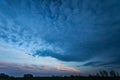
x=105 y=73
x=113 y=73
x=72 y=76
x=28 y=75
x=97 y=75
x=117 y=74
x=90 y=75
x=2 y=75
x=101 y=73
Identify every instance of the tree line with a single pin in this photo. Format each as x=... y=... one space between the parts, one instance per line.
x=102 y=73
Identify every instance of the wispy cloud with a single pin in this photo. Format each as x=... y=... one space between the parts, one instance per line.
x=12 y=69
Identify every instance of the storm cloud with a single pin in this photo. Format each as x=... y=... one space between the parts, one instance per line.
x=67 y=30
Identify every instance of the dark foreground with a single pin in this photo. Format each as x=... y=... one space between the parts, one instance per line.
x=64 y=78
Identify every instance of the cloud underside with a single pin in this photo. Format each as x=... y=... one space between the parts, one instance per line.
x=20 y=69
x=67 y=30
x=103 y=64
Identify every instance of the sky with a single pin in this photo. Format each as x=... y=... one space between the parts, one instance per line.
x=59 y=37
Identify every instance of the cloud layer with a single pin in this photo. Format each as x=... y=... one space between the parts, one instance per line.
x=67 y=30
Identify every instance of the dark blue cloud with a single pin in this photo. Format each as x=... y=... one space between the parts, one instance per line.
x=81 y=29
x=92 y=30
x=113 y=64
